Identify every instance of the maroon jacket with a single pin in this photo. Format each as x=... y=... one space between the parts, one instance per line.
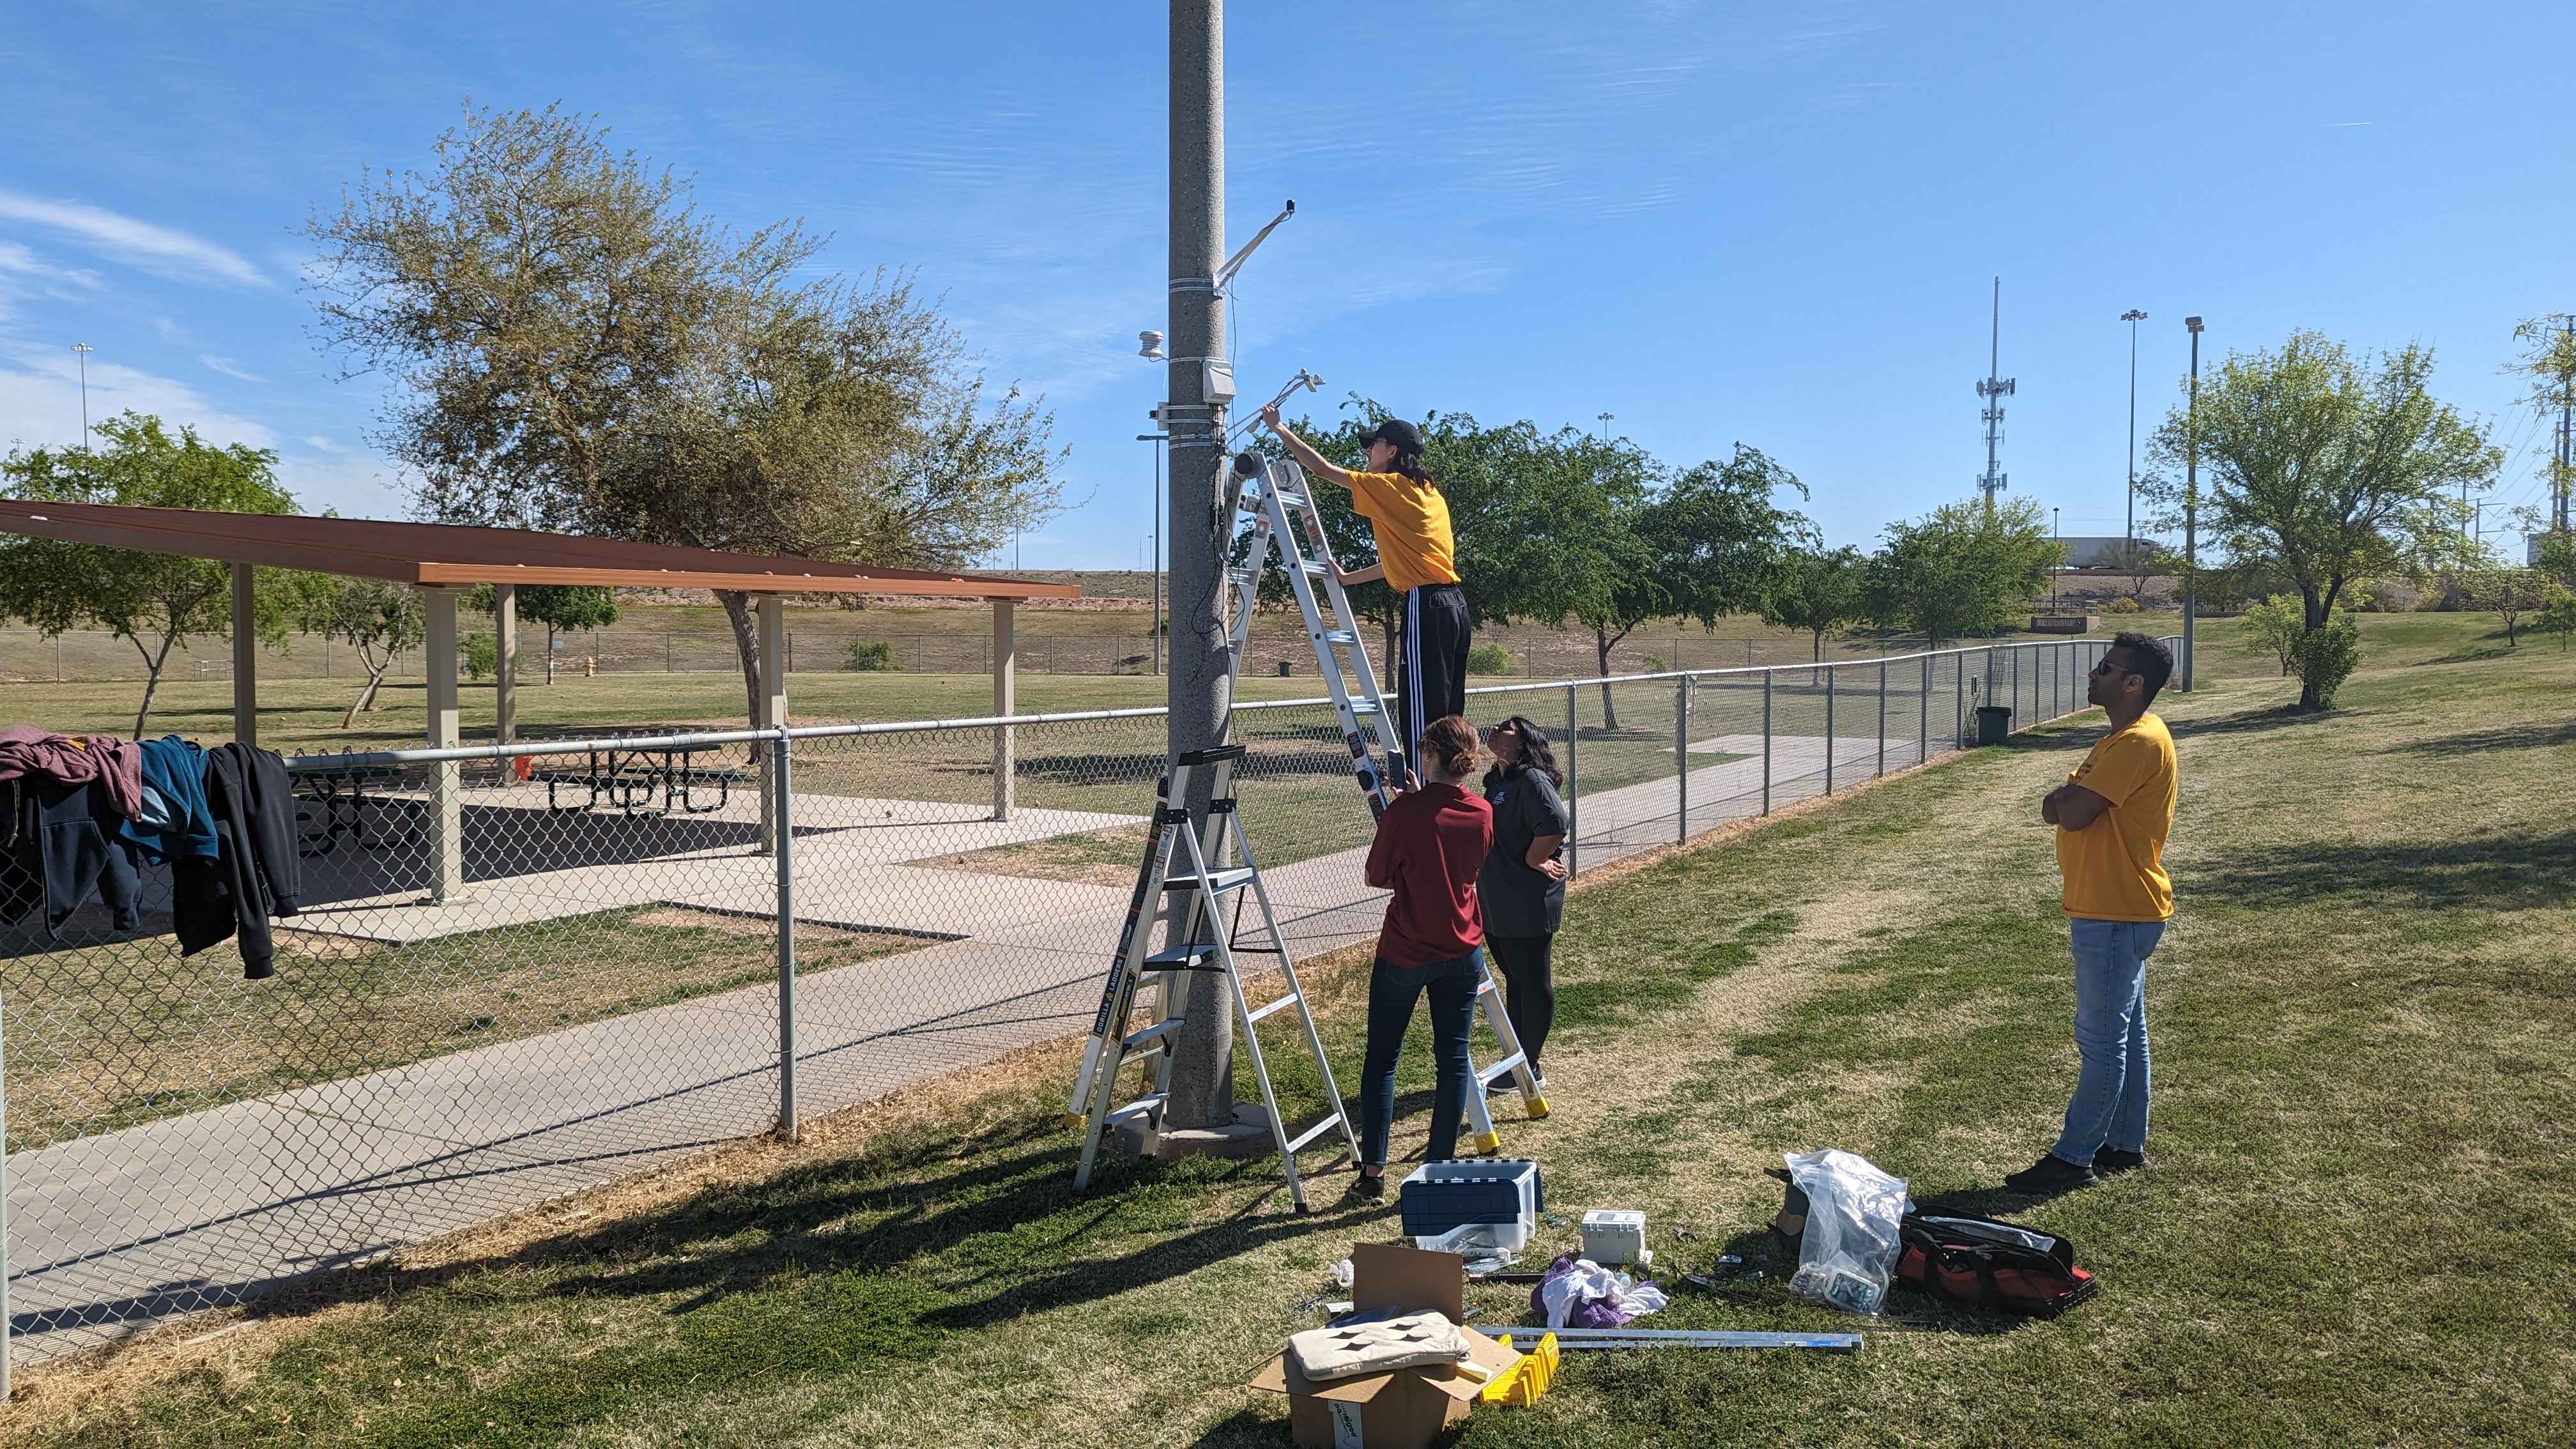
x=1430 y=844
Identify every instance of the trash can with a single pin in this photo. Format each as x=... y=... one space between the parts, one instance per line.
x=1286 y=668
x=1994 y=723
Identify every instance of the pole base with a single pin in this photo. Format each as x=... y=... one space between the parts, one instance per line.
x=1247 y=1136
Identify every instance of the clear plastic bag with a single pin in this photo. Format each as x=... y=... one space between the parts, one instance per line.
x=1852 y=1240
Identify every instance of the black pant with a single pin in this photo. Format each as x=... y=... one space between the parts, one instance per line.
x=1529 y=997
x=1433 y=658
x=1393 y=989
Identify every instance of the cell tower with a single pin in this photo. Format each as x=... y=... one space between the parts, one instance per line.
x=1993 y=390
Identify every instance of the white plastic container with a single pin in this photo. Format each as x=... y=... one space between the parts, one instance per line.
x=1479 y=1239
x=1615 y=1235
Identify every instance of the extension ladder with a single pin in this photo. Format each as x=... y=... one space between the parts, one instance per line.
x=1281 y=499
x=1177 y=874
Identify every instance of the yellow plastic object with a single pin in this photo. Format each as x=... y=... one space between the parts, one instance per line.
x=1537 y=1107
x=1489 y=1142
x=1520 y=1385
x=1073 y=1121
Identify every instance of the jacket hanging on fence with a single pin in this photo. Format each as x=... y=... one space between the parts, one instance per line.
x=76 y=760
x=176 y=822
x=256 y=873
x=62 y=844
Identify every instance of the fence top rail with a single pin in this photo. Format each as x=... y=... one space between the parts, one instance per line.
x=709 y=739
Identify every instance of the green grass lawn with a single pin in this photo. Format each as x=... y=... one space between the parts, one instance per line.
x=2357 y=1225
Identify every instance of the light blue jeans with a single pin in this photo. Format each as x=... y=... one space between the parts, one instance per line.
x=2110 y=1106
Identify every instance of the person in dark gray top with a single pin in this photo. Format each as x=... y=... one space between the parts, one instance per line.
x=1522 y=884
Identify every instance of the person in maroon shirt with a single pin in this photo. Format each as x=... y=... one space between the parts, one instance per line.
x=1430 y=845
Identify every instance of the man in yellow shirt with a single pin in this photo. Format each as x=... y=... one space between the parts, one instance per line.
x=2112 y=816
x=1415 y=556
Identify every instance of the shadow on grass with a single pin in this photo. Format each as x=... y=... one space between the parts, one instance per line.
x=2478 y=742
x=2522 y=871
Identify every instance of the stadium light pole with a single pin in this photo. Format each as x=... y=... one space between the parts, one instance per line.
x=81 y=350
x=2191 y=505
x=1604 y=419
x=2133 y=317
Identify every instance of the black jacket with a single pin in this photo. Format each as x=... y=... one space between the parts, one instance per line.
x=1520 y=901
x=257 y=873
x=62 y=842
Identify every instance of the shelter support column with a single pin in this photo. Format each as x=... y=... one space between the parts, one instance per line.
x=772 y=612
x=1006 y=669
x=245 y=656
x=446 y=783
x=505 y=663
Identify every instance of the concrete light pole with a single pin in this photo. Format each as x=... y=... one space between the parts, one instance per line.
x=2133 y=317
x=1198 y=689
x=2191 y=506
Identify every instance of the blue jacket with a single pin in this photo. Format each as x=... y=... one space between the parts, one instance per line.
x=175 y=770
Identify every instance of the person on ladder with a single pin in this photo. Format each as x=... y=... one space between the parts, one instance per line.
x=1416 y=557
x=1430 y=845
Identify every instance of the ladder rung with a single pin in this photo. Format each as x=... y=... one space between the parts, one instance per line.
x=1151 y=1033
x=1243 y=576
x=1228 y=878
x=1362 y=706
x=1295 y=500
x=1266 y=1012
x=1314 y=568
x=1311 y=1133
x=1501 y=1069
x=1137 y=1108
x=1182 y=956
x=1340 y=636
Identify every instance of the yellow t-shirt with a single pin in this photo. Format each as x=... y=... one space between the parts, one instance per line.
x=2115 y=867
x=1411 y=523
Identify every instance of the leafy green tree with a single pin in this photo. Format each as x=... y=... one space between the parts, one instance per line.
x=1963 y=568
x=2324 y=658
x=376 y=618
x=156 y=602
x=2276 y=624
x=2506 y=593
x=1822 y=591
x=2557 y=613
x=574 y=346
x=1699 y=546
x=563 y=607
x=2323 y=469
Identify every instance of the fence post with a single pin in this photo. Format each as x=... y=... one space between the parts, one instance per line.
x=783 y=803
x=666 y=651
x=4 y=1202
x=2016 y=680
x=1681 y=757
x=1766 y=740
x=1923 y=723
x=1882 y=717
x=1573 y=832
x=1006 y=672
x=1829 y=729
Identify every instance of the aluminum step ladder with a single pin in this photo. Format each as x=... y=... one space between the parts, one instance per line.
x=1183 y=885
x=1281 y=499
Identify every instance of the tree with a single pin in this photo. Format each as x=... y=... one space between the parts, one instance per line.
x=1963 y=568
x=2142 y=559
x=574 y=346
x=1698 y=547
x=2506 y=593
x=2324 y=658
x=2277 y=624
x=2557 y=613
x=156 y=602
x=376 y=618
x=1816 y=589
x=557 y=607
x=2323 y=469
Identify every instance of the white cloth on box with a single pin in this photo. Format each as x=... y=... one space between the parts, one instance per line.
x=1372 y=1348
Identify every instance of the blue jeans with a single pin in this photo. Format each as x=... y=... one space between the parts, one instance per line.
x=2110 y=1106
x=1392 y=989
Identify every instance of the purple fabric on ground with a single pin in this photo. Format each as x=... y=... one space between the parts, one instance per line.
x=76 y=760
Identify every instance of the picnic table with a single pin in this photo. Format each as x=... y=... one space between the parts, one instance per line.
x=628 y=777
x=340 y=793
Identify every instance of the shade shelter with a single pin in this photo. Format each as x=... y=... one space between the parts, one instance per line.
x=444 y=560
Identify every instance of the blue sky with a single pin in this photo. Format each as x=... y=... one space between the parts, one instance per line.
x=1774 y=224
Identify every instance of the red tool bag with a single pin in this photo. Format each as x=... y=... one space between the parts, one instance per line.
x=1991 y=1263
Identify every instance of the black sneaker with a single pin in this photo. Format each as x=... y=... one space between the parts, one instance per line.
x=2117 y=1159
x=1365 y=1188
x=2051 y=1174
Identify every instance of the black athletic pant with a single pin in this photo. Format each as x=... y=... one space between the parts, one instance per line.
x=1433 y=651
x=1529 y=996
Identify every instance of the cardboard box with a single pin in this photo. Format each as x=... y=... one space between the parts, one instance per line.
x=1406 y=1408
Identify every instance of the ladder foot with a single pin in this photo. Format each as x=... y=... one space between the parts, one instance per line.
x=1489 y=1142
x=1537 y=1108
x=1074 y=1121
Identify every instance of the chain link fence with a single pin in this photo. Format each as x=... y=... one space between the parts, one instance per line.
x=519 y=971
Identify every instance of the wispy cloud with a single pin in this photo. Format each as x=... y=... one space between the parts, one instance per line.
x=156 y=249
x=229 y=368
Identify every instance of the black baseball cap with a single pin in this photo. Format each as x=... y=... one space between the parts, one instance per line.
x=1406 y=437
